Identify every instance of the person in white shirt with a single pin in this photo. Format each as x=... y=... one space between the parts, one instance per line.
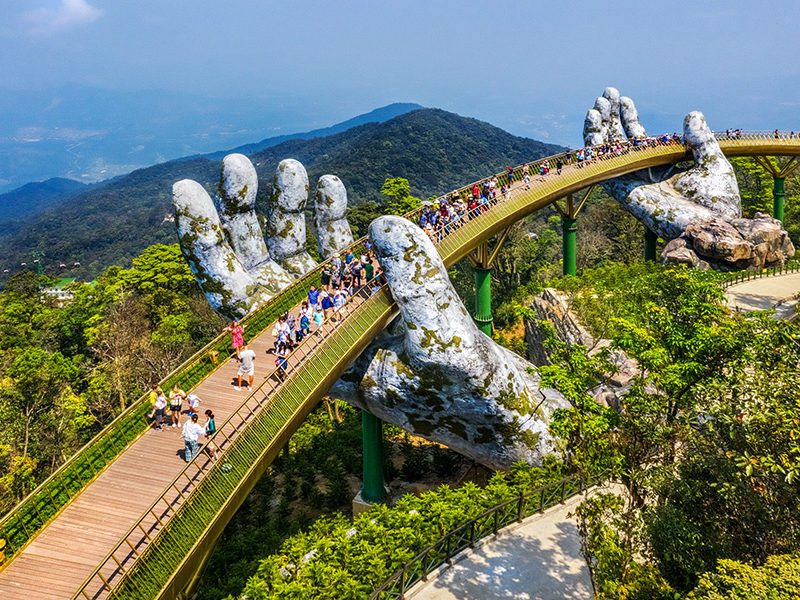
x=246 y=366
x=192 y=430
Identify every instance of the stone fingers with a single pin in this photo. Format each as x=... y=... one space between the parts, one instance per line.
x=615 y=132
x=593 y=130
x=286 y=225
x=630 y=119
x=235 y=201
x=236 y=198
x=330 y=212
x=228 y=287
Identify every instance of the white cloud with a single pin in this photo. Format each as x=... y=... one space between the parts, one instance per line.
x=68 y=14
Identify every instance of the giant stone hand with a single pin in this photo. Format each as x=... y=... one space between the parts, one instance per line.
x=436 y=375
x=223 y=242
x=699 y=208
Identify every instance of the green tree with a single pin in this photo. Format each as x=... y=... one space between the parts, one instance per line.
x=399 y=200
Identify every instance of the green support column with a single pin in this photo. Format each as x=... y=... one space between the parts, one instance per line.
x=778 y=197
x=650 y=241
x=372 y=488
x=569 y=237
x=483 y=299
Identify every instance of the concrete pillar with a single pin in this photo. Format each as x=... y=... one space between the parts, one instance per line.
x=372 y=487
x=569 y=237
x=778 y=197
x=483 y=299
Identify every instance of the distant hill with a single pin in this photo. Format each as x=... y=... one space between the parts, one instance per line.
x=379 y=115
x=435 y=150
x=34 y=197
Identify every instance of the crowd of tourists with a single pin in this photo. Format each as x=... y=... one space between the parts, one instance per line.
x=169 y=409
x=340 y=279
x=344 y=275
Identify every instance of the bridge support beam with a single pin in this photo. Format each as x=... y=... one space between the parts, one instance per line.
x=482 y=259
x=778 y=197
x=483 y=299
x=779 y=174
x=650 y=245
x=569 y=244
x=569 y=229
x=373 y=487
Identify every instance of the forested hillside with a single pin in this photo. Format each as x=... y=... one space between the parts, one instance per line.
x=33 y=197
x=433 y=149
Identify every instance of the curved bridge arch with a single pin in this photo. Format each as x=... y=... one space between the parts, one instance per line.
x=163 y=551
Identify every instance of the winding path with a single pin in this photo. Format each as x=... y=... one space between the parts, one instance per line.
x=766 y=293
x=538 y=559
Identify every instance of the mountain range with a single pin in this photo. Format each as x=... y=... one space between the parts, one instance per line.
x=113 y=221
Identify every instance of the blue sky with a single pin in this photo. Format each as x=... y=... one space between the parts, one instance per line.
x=532 y=68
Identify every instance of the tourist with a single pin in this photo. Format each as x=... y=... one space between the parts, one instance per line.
x=247 y=367
x=326 y=303
x=339 y=299
x=237 y=335
x=325 y=277
x=358 y=271
x=159 y=409
x=559 y=165
x=347 y=280
x=305 y=326
x=194 y=404
x=192 y=431
x=319 y=318
x=281 y=361
x=176 y=398
x=313 y=295
x=211 y=429
x=369 y=271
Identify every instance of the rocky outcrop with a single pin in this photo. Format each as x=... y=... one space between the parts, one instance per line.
x=553 y=308
x=222 y=240
x=436 y=375
x=700 y=204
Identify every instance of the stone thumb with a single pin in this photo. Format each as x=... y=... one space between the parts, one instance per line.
x=700 y=139
x=435 y=318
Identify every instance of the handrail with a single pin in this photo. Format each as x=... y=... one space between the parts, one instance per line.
x=201 y=363
x=489 y=522
x=737 y=277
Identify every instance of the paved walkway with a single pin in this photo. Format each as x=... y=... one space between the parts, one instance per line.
x=537 y=559
x=765 y=293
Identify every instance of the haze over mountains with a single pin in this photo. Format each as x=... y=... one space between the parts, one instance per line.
x=90 y=134
x=112 y=222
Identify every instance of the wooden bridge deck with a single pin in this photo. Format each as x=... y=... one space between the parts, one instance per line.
x=58 y=560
